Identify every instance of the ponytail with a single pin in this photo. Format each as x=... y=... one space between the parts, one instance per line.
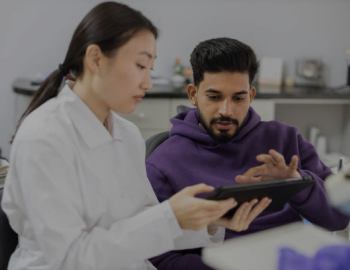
x=109 y=25
x=48 y=89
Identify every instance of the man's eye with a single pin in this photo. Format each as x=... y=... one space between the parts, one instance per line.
x=213 y=97
x=141 y=66
x=238 y=98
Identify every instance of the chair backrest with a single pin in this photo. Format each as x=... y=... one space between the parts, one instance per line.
x=153 y=142
x=8 y=238
x=182 y=108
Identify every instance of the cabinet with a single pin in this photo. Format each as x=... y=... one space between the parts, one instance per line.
x=153 y=115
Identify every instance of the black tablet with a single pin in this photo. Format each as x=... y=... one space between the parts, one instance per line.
x=280 y=191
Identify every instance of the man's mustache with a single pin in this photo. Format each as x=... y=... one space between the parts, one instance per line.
x=224 y=119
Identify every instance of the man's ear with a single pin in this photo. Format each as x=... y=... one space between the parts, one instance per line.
x=192 y=93
x=93 y=57
x=252 y=93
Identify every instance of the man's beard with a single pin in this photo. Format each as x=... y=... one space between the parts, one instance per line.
x=223 y=136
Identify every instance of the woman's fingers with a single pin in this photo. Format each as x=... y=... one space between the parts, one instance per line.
x=197 y=189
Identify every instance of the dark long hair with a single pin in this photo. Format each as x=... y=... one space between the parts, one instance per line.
x=223 y=54
x=109 y=25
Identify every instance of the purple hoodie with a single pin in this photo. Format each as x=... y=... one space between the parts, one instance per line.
x=190 y=156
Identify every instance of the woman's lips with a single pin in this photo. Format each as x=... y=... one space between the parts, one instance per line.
x=139 y=98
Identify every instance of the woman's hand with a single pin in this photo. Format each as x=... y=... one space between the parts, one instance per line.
x=244 y=215
x=275 y=167
x=195 y=213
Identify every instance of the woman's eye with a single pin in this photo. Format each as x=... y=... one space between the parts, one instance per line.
x=141 y=66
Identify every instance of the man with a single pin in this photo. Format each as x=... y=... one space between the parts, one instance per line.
x=223 y=141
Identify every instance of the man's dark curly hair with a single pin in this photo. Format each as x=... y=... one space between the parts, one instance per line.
x=223 y=55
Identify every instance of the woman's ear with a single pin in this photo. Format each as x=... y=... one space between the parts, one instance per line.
x=93 y=58
x=192 y=93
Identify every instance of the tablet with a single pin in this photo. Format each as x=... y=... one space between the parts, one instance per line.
x=280 y=191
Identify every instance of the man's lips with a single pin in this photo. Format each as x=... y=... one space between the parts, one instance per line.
x=223 y=125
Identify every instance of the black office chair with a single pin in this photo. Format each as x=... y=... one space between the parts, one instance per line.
x=8 y=238
x=153 y=142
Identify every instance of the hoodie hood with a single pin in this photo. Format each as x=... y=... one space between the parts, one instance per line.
x=186 y=124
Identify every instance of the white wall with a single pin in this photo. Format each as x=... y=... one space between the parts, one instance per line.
x=34 y=36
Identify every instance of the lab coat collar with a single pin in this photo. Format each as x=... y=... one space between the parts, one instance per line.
x=93 y=132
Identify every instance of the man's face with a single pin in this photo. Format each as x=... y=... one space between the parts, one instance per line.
x=223 y=101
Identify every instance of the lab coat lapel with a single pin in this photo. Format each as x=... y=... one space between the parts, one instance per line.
x=87 y=124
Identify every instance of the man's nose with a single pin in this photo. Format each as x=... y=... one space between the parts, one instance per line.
x=226 y=107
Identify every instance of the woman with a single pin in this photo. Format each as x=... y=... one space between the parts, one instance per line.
x=77 y=192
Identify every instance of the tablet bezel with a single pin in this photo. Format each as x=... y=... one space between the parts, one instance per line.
x=279 y=190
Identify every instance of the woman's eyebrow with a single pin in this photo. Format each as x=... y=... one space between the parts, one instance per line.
x=149 y=55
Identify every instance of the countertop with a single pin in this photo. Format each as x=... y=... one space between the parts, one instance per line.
x=25 y=87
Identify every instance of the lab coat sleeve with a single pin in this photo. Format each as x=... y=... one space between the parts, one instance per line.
x=49 y=186
x=192 y=239
x=312 y=203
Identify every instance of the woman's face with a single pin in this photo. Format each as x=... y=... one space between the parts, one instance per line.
x=125 y=77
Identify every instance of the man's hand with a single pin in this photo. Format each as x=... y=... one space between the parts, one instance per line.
x=274 y=168
x=244 y=215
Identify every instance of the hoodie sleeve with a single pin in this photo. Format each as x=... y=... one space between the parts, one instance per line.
x=182 y=259
x=312 y=203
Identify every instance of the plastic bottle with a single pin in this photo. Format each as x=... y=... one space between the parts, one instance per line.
x=178 y=68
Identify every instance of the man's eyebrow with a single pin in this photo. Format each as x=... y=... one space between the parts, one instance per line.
x=241 y=93
x=149 y=55
x=211 y=90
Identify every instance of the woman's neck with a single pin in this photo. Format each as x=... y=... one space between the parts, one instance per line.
x=95 y=104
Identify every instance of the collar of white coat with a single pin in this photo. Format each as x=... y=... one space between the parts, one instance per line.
x=93 y=132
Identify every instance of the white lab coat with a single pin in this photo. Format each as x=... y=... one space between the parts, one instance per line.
x=80 y=199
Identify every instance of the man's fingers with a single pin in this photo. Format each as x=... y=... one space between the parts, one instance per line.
x=247 y=179
x=247 y=211
x=266 y=159
x=255 y=171
x=294 y=163
x=277 y=156
x=258 y=209
x=235 y=220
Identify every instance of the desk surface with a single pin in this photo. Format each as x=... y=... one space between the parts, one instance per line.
x=261 y=250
